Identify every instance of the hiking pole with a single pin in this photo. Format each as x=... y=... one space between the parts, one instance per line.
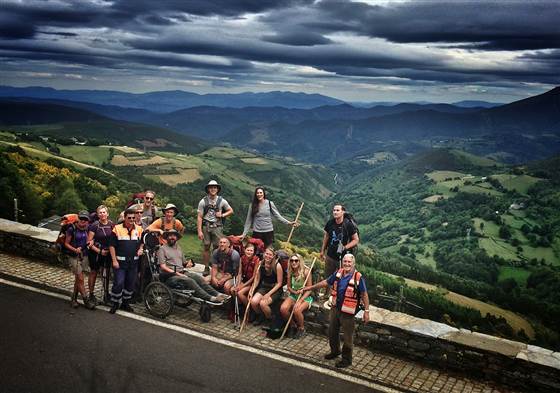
x=299 y=297
x=236 y=318
x=293 y=227
x=249 y=297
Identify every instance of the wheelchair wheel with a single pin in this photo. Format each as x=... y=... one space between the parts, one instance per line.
x=158 y=299
x=205 y=312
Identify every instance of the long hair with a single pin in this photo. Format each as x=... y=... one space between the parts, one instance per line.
x=301 y=270
x=255 y=202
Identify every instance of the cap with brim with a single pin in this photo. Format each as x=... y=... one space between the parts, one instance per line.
x=213 y=183
x=137 y=207
x=171 y=206
x=171 y=232
x=83 y=214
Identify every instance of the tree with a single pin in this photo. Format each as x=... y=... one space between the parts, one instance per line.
x=504 y=232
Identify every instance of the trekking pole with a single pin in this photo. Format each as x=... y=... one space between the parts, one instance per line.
x=299 y=297
x=249 y=297
x=293 y=227
x=236 y=318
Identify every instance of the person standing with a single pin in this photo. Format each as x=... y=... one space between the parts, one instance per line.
x=168 y=221
x=75 y=246
x=125 y=250
x=259 y=218
x=212 y=209
x=348 y=291
x=340 y=237
x=149 y=210
x=99 y=237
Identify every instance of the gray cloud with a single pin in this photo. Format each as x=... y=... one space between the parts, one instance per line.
x=333 y=42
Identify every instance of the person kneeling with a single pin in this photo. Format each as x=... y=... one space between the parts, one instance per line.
x=172 y=265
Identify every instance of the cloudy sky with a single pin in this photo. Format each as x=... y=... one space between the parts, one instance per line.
x=440 y=51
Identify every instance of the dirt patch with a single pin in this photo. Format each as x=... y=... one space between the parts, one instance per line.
x=254 y=160
x=158 y=142
x=120 y=160
x=433 y=198
x=183 y=176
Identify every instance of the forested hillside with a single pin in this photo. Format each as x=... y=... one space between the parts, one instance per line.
x=471 y=225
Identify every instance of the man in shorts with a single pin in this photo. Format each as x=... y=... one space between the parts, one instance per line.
x=212 y=209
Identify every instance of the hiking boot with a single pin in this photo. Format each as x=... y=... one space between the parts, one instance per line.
x=114 y=308
x=93 y=299
x=74 y=303
x=126 y=307
x=299 y=334
x=215 y=301
x=222 y=297
x=90 y=305
x=343 y=363
x=259 y=319
x=331 y=355
x=206 y=271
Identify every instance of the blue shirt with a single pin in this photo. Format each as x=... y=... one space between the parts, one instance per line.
x=342 y=284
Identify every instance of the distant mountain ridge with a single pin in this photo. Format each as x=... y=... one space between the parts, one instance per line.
x=168 y=101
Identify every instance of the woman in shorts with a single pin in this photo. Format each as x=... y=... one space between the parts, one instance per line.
x=269 y=287
x=99 y=235
x=249 y=262
x=298 y=277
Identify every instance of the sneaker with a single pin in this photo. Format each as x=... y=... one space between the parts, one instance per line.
x=331 y=355
x=206 y=271
x=259 y=319
x=222 y=297
x=114 y=308
x=90 y=305
x=343 y=363
x=299 y=334
x=126 y=307
x=214 y=301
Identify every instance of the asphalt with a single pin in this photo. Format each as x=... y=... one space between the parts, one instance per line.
x=375 y=369
x=49 y=347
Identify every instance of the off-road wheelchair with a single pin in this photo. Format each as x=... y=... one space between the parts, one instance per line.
x=159 y=298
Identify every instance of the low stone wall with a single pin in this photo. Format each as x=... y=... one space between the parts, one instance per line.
x=516 y=364
x=512 y=363
x=28 y=240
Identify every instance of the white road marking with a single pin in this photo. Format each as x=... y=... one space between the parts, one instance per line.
x=243 y=347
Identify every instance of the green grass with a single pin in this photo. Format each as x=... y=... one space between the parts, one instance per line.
x=439 y=176
x=521 y=183
x=518 y=274
x=89 y=154
x=191 y=246
x=490 y=229
x=498 y=247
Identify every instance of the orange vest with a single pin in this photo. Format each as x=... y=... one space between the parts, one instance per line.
x=351 y=301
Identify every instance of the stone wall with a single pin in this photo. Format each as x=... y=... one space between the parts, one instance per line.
x=28 y=240
x=519 y=365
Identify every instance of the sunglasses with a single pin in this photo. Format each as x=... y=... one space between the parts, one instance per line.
x=84 y=219
x=294 y=260
x=130 y=218
x=148 y=198
x=137 y=212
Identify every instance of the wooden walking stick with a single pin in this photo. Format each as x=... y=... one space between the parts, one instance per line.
x=299 y=297
x=249 y=297
x=293 y=227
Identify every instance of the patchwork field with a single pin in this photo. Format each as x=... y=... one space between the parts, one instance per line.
x=120 y=160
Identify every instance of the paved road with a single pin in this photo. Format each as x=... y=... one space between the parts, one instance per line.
x=46 y=346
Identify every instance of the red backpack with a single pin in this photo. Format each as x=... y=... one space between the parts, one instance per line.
x=65 y=222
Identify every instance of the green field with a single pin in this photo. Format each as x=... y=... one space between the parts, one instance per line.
x=520 y=183
x=95 y=155
x=439 y=176
x=518 y=274
x=494 y=246
x=192 y=247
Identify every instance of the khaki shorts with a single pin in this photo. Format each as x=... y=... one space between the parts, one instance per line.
x=212 y=235
x=78 y=266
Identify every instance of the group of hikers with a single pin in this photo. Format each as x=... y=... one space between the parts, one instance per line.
x=247 y=269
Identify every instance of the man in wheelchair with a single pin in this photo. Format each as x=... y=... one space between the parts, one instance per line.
x=173 y=273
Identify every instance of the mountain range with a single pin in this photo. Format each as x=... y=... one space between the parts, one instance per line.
x=517 y=132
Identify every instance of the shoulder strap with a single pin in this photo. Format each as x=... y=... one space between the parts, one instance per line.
x=173 y=222
x=270 y=207
x=206 y=205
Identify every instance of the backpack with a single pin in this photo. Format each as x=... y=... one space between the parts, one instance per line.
x=350 y=220
x=216 y=207
x=236 y=244
x=357 y=280
x=172 y=223
x=66 y=221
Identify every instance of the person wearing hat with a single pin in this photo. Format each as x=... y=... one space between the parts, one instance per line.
x=125 y=249
x=168 y=221
x=75 y=246
x=172 y=264
x=212 y=209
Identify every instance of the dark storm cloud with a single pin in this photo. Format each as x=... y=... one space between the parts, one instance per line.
x=297 y=39
x=492 y=25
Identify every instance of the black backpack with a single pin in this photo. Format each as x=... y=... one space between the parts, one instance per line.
x=350 y=220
